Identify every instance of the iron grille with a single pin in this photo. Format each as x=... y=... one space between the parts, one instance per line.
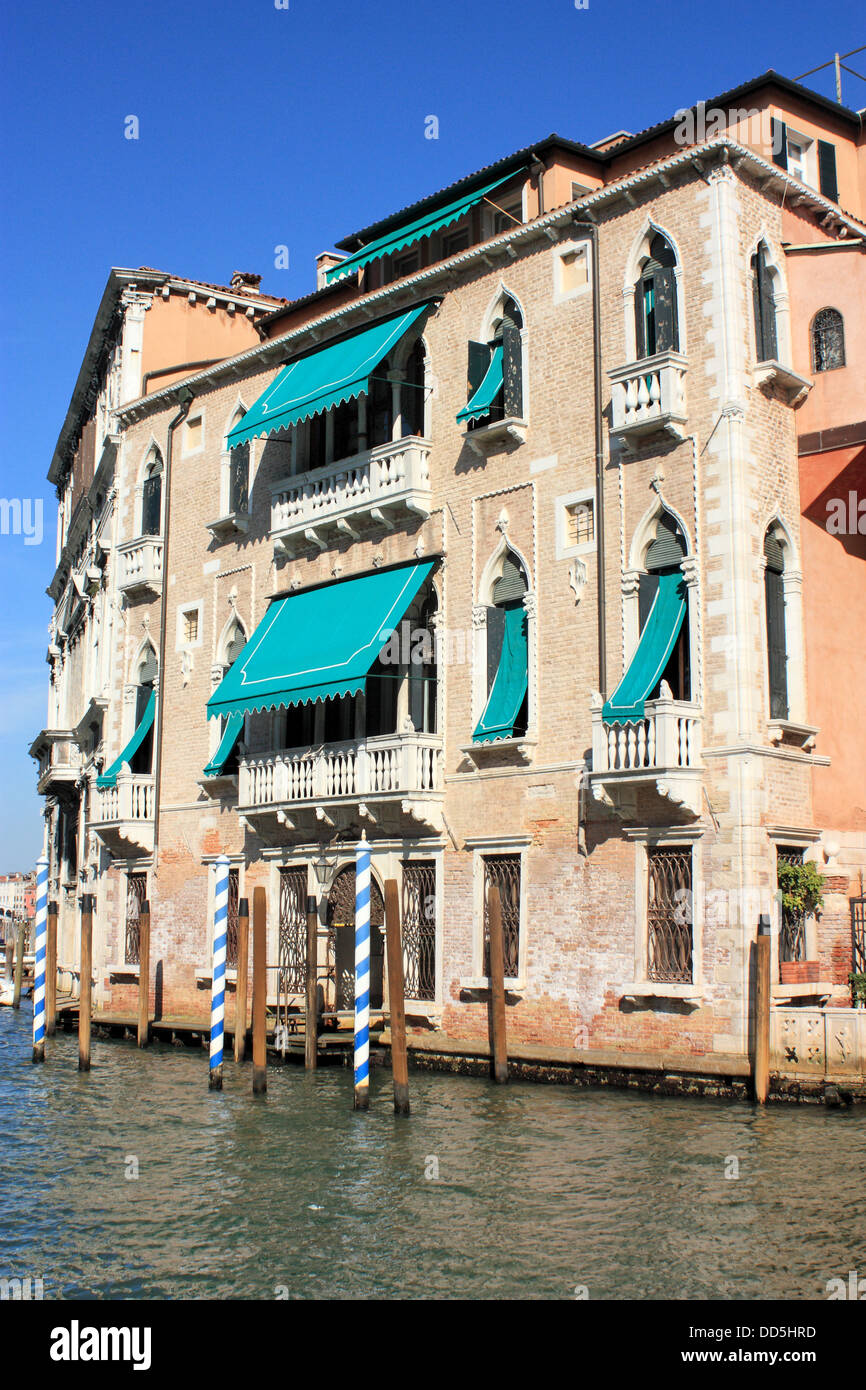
x=136 y=892
x=669 y=916
x=828 y=340
x=503 y=870
x=341 y=939
x=792 y=942
x=419 y=930
x=293 y=930
x=858 y=935
x=232 y=922
x=239 y=472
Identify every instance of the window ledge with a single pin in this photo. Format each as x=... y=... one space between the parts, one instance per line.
x=472 y=984
x=481 y=753
x=650 y=989
x=204 y=974
x=486 y=437
x=131 y=972
x=223 y=784
x=784 y=731
x=808 y=989
x=229 y=525
x=774 y=373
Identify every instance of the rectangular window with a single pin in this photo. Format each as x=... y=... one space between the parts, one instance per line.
x=574 y=274
x=455 y=242
x=192 y=435
x=189 y=627
x=405 y=264
x=293 y=931
x=419 y=929
x=503 y=870
x=580 y=523
x=232 y=920
x=670 y=946
x=136 y=894
x=507 y=214
x=792 y=942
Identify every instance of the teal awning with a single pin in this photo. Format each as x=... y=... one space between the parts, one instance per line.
x=626 y=704
x=320 y=643
x=407 y=235
x=486 y=394
x=510 y=683
x=231 y=734
x=109 y=778
x=322 y=379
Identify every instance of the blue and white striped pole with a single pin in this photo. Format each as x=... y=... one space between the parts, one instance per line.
x=218 y=978
x=362 y=974
x=41 y=951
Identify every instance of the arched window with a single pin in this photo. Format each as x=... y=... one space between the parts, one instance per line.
x=828 y=341
x=665 y=556
x=777 y=645
x=495 y=370
x=764 y=307
x=506 y=710
x=239 y=473
x=151 y=495
x=655 y=301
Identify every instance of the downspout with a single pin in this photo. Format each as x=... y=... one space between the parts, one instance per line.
x=591 y=230
x=186 y=398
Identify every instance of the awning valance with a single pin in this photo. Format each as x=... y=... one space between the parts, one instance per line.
x=143 y=728
x=325 y=378
x=510 y=683
x=231 y=734
x=646 y=668
x=318 y=644
x=410 y=232
x=486 y=394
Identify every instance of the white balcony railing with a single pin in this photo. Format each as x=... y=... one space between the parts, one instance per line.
x=649 y=395
x=140 y=564
x=669 y=736
x=397 y=765
x=389 y=478
x=125 y=811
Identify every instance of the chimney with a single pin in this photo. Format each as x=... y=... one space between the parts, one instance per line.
x=245 y=283
x=325 y=261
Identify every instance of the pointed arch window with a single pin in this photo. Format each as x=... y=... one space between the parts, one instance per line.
x=664 y=558
x=224 y=761
x=494 y=378
x=828 y=341
x=151 y=496
x=777 y=645
x=655 y=301
x=506 y=710
x=764 y=307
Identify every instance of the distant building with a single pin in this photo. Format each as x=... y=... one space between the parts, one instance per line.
x=569 y=429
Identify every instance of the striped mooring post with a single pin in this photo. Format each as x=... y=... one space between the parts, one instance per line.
x=41 y=951
x=362 y=974
x=218 y=980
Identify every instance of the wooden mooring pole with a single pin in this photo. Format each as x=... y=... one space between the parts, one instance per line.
x=144 y=974
x=85 y=1002
x=260 y=992
x=762 y=1012
x=497 y=985
x=241 y=980
x=396 y=998
x=9 y=965
x=19 y=966
x=51 y=973
x=311 y=1015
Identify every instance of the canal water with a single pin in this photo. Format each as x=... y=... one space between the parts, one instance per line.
x=135 y=1182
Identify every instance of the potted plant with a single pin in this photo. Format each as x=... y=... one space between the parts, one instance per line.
x=857 y=981
x=801 y=887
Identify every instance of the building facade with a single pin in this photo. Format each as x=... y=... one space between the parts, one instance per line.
x=492 y=549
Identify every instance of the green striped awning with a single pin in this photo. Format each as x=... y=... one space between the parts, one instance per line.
x=488 y=390
x=626 y=704
x=510 y=683
x=407 y=235
x=109 y=778
x=320 y=643
x=332 y=374
x=231 y=734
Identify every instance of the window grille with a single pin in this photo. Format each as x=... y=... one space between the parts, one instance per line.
x=669 y=916
x=136 y=893
x=503 y=871
x=828 y=341
x=419 y=930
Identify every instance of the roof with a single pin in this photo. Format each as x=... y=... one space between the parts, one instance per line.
x=238 y=291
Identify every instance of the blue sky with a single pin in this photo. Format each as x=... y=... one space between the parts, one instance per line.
x=261 y=127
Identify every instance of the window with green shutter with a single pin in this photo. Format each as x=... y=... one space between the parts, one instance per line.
x=656 y=315
x=764 y=307
x=777 y=651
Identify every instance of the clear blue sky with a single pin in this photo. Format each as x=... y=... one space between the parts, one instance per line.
x=260 y=127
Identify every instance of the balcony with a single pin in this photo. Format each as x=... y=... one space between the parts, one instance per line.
x=59 y=759
x=649 y=397
x=395 y=780
x=140 y=565
x=662 y=753
x=378 y=486
x=123 y=814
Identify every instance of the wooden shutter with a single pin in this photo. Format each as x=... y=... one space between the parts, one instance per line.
x=495 y=635
x=765 y=310
x=151 y=503
x=777 y=656
x=512 y=371
x=667 y=335
x=639 y=320
x=479 y=361
x=667 y=549
x=780 y=142
x=647 y=589
x=827 y=170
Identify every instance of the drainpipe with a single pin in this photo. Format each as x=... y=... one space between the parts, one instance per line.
x=591 y=230
x=539 y=165
x=186 y=398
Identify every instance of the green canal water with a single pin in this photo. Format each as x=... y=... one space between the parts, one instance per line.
x=540 y=1189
